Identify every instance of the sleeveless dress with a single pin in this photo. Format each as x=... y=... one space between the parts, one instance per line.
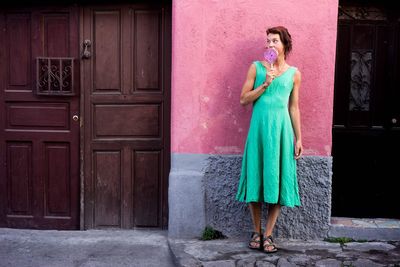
x=268 y=166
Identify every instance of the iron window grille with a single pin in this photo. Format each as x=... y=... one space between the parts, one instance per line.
x=55 y=76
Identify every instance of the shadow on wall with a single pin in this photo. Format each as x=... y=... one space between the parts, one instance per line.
x=227 y=120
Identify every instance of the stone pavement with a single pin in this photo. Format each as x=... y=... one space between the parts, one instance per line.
x=35 y=248
x=234 y=253
x=148 y=248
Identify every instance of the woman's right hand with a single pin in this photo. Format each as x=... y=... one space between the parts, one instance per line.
x=265 y=85
x=269 y=78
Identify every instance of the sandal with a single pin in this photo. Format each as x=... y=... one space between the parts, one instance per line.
x=269 y=245
x=255 y=241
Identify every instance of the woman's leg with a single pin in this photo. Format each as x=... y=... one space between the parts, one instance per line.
x=273 y=213
x=255 y=210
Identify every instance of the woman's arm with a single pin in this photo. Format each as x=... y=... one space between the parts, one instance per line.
x=248 y=95
x=295 y=113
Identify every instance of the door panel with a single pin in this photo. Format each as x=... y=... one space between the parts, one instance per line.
x=126 y=92
x=57 y=187
x=19 y=179
x=147 y=50
x=127 y=121
x=147 y=187
x=18 y=75
x=107 y=174
x=39 y=174
x=23 y=115
x=107 y=50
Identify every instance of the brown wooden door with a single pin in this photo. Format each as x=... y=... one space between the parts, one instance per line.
x=126 y=84
x=39 y=140
x=366 y=131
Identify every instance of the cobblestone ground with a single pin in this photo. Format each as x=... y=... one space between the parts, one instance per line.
x=234 y=253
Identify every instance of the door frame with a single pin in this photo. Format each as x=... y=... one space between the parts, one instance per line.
x=372 y=17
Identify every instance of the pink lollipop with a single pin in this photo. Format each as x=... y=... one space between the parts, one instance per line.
x=270 y=56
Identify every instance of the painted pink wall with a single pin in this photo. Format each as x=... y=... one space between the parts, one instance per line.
x=214 y=43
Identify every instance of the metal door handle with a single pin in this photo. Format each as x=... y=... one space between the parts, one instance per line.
x=75 y=117
x=394 y=121
x=86 y=53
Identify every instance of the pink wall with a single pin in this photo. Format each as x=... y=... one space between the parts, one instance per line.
x=214 y=43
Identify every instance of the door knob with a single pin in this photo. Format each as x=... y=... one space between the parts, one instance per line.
x=86 y=53
x=394 y=121
x=75 y=117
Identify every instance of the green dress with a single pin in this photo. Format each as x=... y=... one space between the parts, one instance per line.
x=268 y=166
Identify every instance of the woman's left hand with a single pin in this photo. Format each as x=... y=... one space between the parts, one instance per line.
x=298 y=149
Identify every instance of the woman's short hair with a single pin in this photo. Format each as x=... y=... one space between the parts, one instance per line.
x=284 y=35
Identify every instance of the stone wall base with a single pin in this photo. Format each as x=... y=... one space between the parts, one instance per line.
x=202 y=190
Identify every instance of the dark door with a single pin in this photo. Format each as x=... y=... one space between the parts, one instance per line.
x=366 y=130
x=39 y=97
x=126 y=84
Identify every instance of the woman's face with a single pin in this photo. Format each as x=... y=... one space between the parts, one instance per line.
x=274 y=41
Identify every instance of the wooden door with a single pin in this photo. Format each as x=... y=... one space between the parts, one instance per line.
x=126 y=85
x=366 y=131
x=39 y=140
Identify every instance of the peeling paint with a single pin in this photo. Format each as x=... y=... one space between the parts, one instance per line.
x=227 y=149
x=327 y=150
x=229 y=92
x=205 y=99
x=309 y=151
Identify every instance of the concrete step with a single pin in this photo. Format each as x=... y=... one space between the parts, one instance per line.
x=116 y=248
x=365 y=229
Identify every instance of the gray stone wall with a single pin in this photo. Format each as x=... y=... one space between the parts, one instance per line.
x=186 y=196
x=207 y=197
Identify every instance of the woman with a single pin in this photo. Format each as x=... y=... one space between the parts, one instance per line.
x=274 y=140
